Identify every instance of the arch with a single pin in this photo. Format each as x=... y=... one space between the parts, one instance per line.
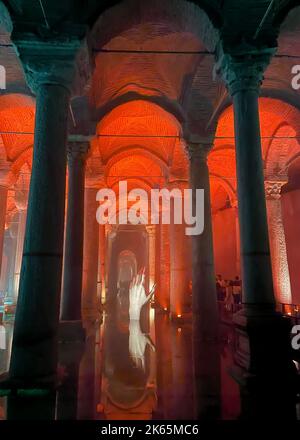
x=196 y=17
x=140 y=122
x=17 y=114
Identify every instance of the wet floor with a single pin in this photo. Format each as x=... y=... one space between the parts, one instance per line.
x=130 y=371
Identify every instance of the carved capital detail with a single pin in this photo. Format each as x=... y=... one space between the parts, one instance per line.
x=21 y=199
x=198 y=150
x=59 y=61
x=77 y=151
x=151 y=230
x=273 y=188
x=242 y=68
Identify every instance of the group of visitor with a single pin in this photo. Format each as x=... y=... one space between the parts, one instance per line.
x=229 y=291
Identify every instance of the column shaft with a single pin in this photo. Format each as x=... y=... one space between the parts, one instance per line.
x=178 y=264
x=102 y=267
x=152 y=254
x=255 y=249
x=73 y=258
x=34 y=351
x=19 y=251
x=203 y=272
x=281 y=275
x=90 y=253
x=163 y=295
x=3 y=203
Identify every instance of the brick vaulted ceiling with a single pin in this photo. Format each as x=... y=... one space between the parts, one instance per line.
x=152 y=70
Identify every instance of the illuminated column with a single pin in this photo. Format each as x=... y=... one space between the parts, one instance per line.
x=234 y=205
x=12 y=244
x=110 y=235
x=73 y=258
x=102 y=264
x=50 y=69
x=90 y=254
x=281 y=276
x=262 y=334
x=203 y=278
x=178 y=261
x=151 y=230
x=3 y=203
x=164 y=293
x=19 y=245
x=243 y=75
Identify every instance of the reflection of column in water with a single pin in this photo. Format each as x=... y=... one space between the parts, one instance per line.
x=164 y=366
x=86 y=386
x=207 y=388
x=99 y=367
x=152 y=362
x=230 y=392
x=182 y=389
x=67 y=395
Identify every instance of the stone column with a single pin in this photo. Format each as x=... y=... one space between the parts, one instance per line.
x=102 y=267
x=163 y=296
x=50 y=70
x=243 y=74
x=151 y=230
x=11 y=247
x=73 y=258
x=21 y=203
x=90 y=254
x=261 y=333
x=234 y=205
x=205 y=316
x=3 y=203
x=281 y=276
x=178 y=261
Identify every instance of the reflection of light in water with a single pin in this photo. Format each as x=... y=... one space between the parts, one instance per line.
x=151 y=315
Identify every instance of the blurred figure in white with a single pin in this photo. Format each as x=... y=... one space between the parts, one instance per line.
x=137 y=299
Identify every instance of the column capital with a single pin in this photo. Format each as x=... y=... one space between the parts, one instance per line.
x=59 y=60
x=198 y=150
x=21 y=199
x=151 y=230
x=242 y=68
x=77 y=151
x=273 y=188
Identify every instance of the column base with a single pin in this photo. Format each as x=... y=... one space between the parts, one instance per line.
x=71 y=332
x=263 y=365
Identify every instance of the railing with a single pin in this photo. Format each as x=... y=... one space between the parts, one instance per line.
x=290 y=310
